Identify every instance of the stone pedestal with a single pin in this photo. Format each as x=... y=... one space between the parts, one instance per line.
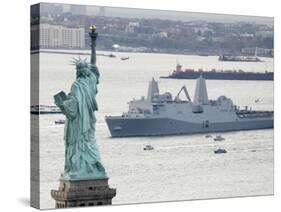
x=81 y=193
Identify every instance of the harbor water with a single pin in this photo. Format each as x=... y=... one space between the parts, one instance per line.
x=180 y=167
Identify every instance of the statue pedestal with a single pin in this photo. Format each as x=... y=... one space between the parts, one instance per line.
x=79 y=193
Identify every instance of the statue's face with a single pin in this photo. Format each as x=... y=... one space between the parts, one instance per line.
x=82 y=70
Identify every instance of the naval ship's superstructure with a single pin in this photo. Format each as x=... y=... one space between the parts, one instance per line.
x=161 y=114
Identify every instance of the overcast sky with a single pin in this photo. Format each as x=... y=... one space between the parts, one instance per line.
x=174 y=15
x=184 y=16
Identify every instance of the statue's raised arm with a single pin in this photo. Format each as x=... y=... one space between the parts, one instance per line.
x=93 y=35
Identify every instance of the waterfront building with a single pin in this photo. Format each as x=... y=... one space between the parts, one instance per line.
x=57 y=36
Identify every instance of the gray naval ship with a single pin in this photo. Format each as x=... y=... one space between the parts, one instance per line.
x=161 y=114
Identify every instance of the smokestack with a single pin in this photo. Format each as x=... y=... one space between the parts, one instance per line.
x=201 y=95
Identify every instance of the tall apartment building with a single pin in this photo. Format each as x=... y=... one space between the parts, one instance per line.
x=57 y=36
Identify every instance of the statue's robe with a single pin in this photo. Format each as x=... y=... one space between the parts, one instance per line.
x=82 y=158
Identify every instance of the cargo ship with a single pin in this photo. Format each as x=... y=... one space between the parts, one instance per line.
x=232 y=58
x=219 y=74
x=239 y=58
x=161 y=114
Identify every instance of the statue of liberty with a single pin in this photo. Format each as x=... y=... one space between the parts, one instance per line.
x=84 y=181
x=82 y=158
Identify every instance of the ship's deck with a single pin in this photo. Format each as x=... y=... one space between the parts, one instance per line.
x=254 y=114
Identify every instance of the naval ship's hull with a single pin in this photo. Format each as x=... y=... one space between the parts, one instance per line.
x=125 y=126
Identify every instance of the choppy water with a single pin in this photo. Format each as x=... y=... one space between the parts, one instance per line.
x=180 y=167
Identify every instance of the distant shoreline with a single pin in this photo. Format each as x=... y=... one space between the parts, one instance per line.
x=61 y=51
x=87 y=52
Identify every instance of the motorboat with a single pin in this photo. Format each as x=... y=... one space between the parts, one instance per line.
x=220 y=151
x=60 y=121
x=219 y=138
x=148 y=147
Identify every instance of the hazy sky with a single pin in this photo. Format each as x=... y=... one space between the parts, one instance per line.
x=174 y=15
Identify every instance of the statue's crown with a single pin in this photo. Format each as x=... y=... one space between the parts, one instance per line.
x=79 y=63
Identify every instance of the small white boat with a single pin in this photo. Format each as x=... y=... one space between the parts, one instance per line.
x=125 y=58
x=148 y=147
x=208 y=136
x=219 y=138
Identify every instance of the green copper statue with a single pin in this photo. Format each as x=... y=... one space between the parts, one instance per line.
x=82 y=158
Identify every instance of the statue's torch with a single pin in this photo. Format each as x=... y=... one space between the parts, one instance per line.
x=93 y=35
